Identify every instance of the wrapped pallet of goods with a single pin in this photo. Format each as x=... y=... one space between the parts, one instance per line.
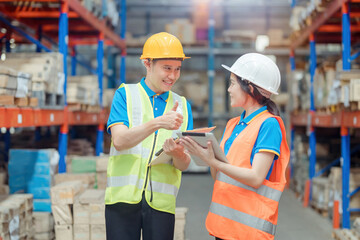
x=47 y=76
x=83 y=93
x=350 y=89
x=32 y=171
x=15 y=88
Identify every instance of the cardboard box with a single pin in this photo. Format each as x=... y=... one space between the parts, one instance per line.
x=97 y=232
x=62 y=214
x=88 y=179
x=64 y=193
x=97 y=213
x=102 y=163
x=101 y=178
x=64 y=232
x=96 y=196
x=355 y=90
x=44 y=235
x=82 y=232
x=43 y=222
x=81 y=214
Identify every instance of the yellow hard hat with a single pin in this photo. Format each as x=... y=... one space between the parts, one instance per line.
x=163 y=45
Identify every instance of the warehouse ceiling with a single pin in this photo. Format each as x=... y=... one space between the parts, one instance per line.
x=144 y=17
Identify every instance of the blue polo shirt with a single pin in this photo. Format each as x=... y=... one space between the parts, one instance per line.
x=118 y=112
x=268 y=140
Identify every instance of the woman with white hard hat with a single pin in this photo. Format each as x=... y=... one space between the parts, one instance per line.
x=248 y=188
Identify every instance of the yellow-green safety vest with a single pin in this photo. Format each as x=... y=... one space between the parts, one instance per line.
x=128 y=173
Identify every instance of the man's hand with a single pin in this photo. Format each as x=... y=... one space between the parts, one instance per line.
x=171 y=120
x=181 y=159
x=173 y=148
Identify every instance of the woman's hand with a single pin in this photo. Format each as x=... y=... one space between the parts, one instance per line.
x=204 y=153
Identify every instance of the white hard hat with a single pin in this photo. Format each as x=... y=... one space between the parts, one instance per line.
x=257 y=69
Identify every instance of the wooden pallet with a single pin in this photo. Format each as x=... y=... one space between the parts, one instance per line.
x=49 y=100
x=354 y=106
x=6 y=100
x=334 y=108
x=345 y=234
x=84 y=107
x=322 y=212
x=11 y=101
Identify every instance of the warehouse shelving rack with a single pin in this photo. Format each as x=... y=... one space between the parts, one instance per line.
x=68 y=23
x=324 y=31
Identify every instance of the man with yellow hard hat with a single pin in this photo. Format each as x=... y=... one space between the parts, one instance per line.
x=144 y=118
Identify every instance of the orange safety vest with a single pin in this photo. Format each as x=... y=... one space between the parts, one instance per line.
x=239 y=211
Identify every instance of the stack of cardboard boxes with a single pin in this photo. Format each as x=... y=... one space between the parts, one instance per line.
x=62 y=199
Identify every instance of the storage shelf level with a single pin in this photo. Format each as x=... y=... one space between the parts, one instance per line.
x=333 y=120
x=29 y=117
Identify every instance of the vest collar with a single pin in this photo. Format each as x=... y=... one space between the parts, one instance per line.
x=252 y=116
x=151 y=93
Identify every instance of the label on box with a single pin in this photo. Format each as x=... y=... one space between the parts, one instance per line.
x=22 y=85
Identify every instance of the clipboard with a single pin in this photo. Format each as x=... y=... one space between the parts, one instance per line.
x=202 y=139
x=161 y=157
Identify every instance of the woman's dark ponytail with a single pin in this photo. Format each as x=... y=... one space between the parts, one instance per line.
x=271 y=106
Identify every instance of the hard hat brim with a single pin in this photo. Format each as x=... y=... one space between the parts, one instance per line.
x=183 y=58
x=229 y=69
x=226 y=67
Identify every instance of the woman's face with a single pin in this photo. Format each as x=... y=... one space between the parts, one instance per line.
x=237 y=96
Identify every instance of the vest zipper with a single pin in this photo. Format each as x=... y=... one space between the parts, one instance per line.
x=148 y=171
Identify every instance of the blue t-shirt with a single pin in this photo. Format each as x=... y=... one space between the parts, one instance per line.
x=118 y=112
x=268 y=140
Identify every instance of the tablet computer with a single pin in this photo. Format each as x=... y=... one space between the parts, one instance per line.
x=202 y=139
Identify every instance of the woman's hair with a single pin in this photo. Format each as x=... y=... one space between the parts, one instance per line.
x=245 y=86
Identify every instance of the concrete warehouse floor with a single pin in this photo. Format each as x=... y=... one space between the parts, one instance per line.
x=295 y=222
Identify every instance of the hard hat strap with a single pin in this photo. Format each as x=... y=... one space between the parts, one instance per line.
x=262 y=91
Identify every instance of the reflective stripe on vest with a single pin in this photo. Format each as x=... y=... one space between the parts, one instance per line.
x=120 y=181
x=164 y=188
x=263 y=190
x=243 y=218
x=178 y=110
x=136 y=108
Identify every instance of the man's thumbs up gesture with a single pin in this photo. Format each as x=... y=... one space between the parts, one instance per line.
x=171 y=120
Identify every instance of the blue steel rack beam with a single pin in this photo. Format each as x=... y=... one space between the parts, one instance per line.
x=345 y=137
x=63 y=45
x=312 y=137
x=123 y=51
x=100 y=56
